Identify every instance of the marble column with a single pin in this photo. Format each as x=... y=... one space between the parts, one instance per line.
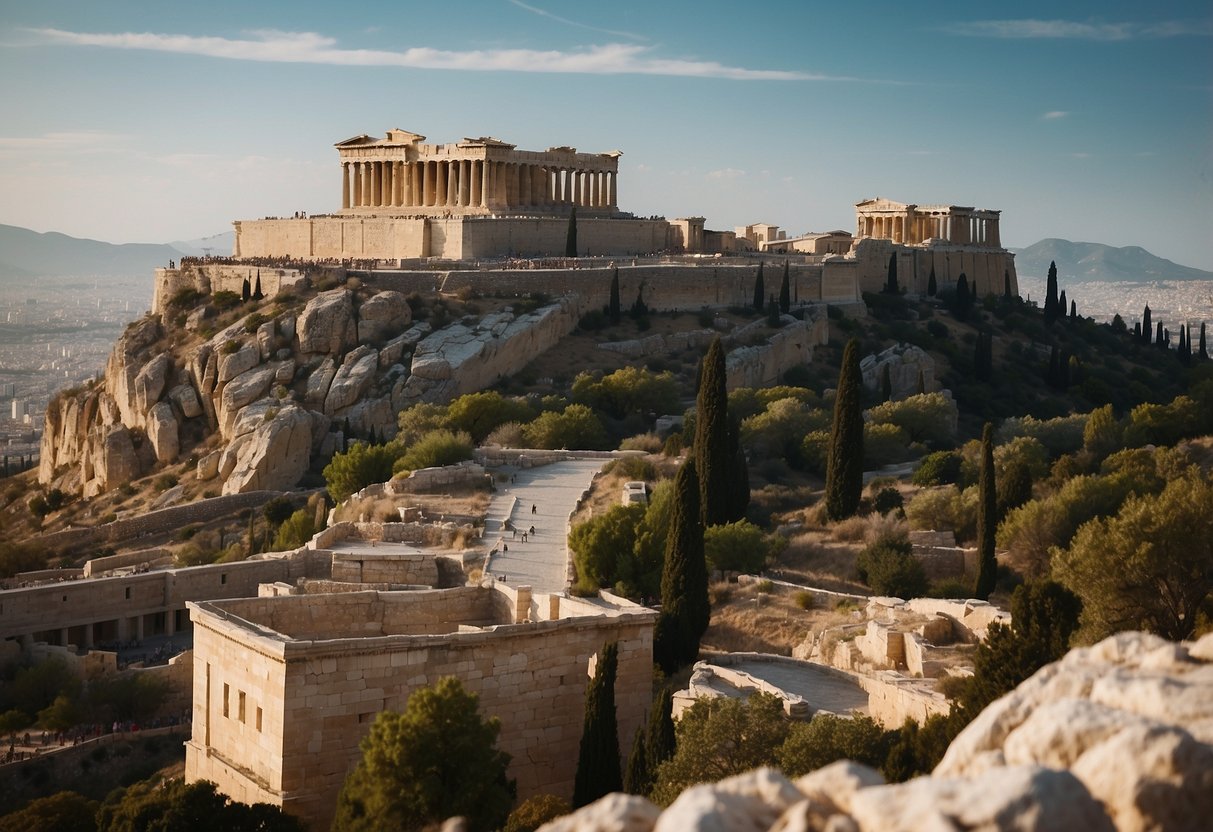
x=485 y=187
x=475 y=194
x=593 y=177
x=612 y=195
x=357 y=175
x=452 y=183
x=345 y=185
x=465 y=182
x=524 y=185
x=376 y=184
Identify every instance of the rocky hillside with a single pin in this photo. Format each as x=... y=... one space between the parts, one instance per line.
x=257 y=398
x=1114 y=736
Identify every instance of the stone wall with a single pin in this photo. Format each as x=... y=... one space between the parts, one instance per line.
x=532 y=676
x=461 y=475
x=418 y=569
x=122 y=605
x=207 y=278
x=164 y=521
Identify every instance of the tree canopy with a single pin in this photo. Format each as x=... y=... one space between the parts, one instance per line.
x=436 y=760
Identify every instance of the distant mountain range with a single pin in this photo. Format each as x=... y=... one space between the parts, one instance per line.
x=25 y=253
x=1091 y=262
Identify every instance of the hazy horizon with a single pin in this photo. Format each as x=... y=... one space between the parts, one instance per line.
x=1085 y=121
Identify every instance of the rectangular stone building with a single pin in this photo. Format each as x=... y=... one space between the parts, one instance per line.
x=286 y=687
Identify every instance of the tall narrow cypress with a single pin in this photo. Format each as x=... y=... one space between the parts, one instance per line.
x=1073 y=311
x=1062 y=304
x=613 y=309
x=785 y=291
x=964 y=297
x=890 y=284
x=684 y=579
x=1051 y=294
x=760 y=292
x=932 y=285
x=598 y=759
x=844 y=465
x=713 y=456
x=636 y=777
x=1161 y=338
x=570 y=240
x=1006 y=285
x=659 y=733
x=1204 y=352
x=1146 y=330
x=257 y=293
x=987 y=519
x=245 y=292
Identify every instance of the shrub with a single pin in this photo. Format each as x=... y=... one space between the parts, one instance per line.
x=633 y=468
x=926 y=417
x=890 y=568
x=887 y=499
x=224 y=299
x=254 y=321
x=230 y=347
x=804 y=600
x=189 y=296
x=440 y=447
x=739 y=547
x=938 y=468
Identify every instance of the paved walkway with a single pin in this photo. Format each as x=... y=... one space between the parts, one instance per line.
x=818 y=686
x=553 y=490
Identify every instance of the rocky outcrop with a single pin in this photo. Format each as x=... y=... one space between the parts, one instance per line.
x=162 y=431
x=382 y=316
x=904 y=364
x=327 y=323
x=1114 y=736
x=352 y=379
x=273 y=455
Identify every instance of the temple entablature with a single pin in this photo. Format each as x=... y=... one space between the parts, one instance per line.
x=909 y=224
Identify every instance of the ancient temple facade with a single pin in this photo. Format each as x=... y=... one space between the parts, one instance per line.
x=401 y=174
x=916 y=224
x=946 y=241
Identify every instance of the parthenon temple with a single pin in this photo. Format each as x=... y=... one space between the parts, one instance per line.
x=401 y=175
x=915 y=224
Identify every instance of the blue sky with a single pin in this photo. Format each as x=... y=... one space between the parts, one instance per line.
x=128 y=121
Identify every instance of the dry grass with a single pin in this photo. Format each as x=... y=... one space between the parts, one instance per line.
x=749 y=621
x=815 y=559
x=607 y=487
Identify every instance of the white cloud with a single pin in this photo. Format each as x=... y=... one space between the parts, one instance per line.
x=567 y=22
x=725 y=173
x=76 y=141
x=1053 y=114
x=1079 y=30
x=309 y=47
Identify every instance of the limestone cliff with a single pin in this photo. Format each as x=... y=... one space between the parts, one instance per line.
x=277 y=387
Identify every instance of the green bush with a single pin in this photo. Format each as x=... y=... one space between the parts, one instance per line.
x=889 y=567
x=938 y=468
x=739 y=547
x=224 y=299
x=358 y=467
x=437 y=448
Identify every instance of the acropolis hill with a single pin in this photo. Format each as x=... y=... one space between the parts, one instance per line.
x=477 y=216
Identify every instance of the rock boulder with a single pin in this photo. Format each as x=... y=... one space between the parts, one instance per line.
x=326 y=324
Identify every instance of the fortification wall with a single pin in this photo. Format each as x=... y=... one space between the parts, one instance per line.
x=207 y=278
x=416 y=569
x=531 y=676
x=335 y=238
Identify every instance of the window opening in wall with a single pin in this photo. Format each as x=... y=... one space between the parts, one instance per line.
x=258 y=719
x=240 y=706
x=65 y=599
x=225 y=698
x=128 y=593
x=222 y=577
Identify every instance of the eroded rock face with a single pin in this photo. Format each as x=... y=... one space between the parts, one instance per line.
x=273 y=455
x=382 y=316
x=1114 y=736
x=327 y=323
x=162 y=430
x=352 y=379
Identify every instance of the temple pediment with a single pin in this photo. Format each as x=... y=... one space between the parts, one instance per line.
x=398 y=136
x=485 y=141
x=882 y=204
x=356 y=141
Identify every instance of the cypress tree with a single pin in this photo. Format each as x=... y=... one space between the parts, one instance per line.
x=772 y=313
x=257 y=293
x=987 y=520
x=1185 y=344
x=598 y=759
x=760 y=291
x=659 y=733
x=1073 y=311
x=613 y=311
x=713 y=456
x=1161 y=339
x=1006 y=285
x=922 y=382
x=844 y=465
x=1146 y=330
x=886 y=383
x=890 y=285
x=739 y=474
x=1137 y=330
x=932 y=286
x=245 y=291
x=684 y=579
x=785 y=291
x=570 y=240
x=964 y=299
x=1061 y=304
x=1204 y=352
x=1051 y=294
x=636 y=777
